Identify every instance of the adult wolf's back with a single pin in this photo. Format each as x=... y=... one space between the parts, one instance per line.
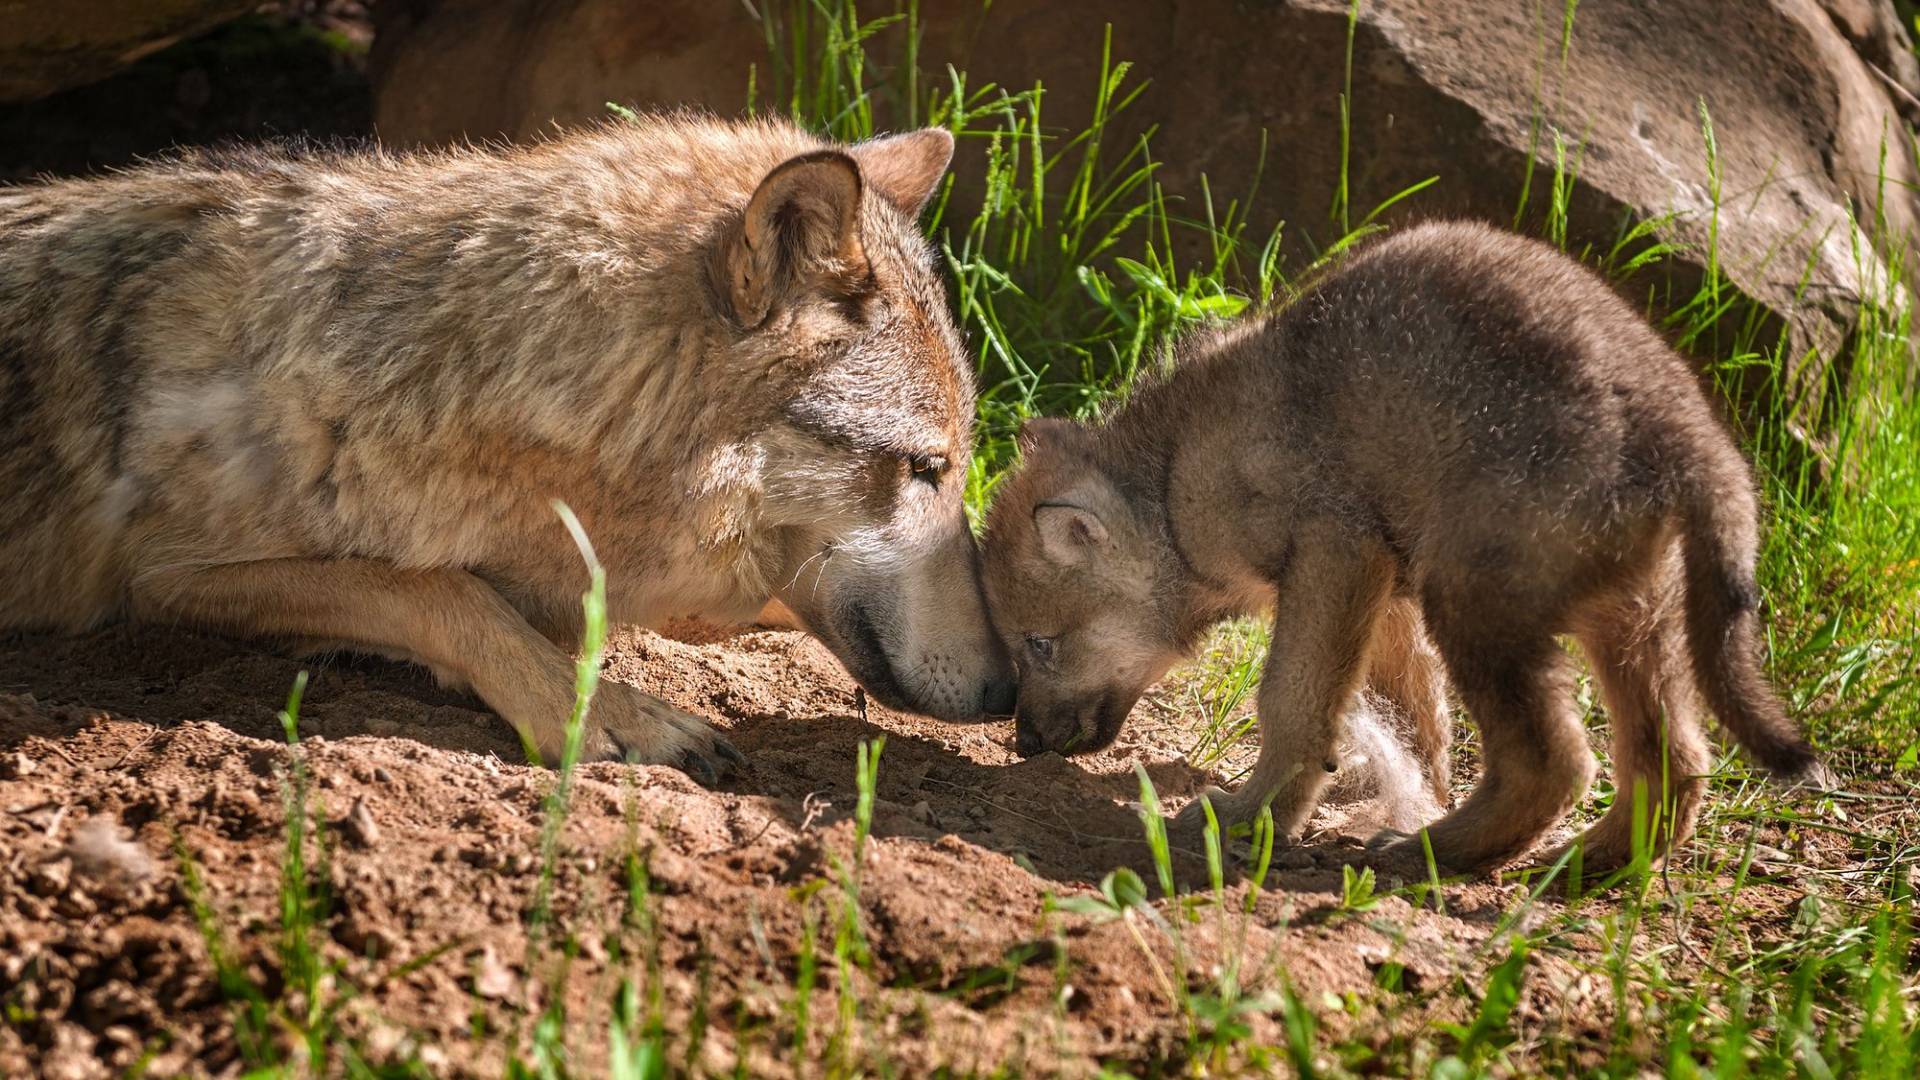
x=330 y=398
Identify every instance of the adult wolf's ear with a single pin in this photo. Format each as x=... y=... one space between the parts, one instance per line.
x=800 y=234
x=1068 y=533
x=906 y=169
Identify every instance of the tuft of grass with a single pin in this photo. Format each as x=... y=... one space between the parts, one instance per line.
x=1067 y=279
x=292 y=1021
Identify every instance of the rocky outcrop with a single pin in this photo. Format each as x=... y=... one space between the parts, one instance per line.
x=1804 y=95
x=49 y=45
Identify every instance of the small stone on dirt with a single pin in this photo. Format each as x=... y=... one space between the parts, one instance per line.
x=491 y=978
x=1293 y=859
x=16 y=766
x=359 y=827
x=49 y=878
x=923 y=811
x=381 y=775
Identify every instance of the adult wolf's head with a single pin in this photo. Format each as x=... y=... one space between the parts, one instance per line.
x=834 y=295
x=1072 y=582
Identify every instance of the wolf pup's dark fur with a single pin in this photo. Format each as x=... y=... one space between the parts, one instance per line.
x=1457 y=420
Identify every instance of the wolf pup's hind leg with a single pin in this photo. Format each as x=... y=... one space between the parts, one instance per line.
x=1537 y=764
x=451 y=621
x=1635 y=643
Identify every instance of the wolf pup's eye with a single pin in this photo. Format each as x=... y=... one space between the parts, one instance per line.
x=928 y=468
x=1040 y=647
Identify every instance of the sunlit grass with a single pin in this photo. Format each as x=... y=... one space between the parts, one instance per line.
x=1065 y=279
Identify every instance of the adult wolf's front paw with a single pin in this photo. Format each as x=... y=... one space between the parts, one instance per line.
x=627 y=725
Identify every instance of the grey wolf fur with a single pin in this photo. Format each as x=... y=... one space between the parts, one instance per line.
x=1457 y=428
x=329 y=398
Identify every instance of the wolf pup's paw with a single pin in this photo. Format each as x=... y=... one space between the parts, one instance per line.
x=1188 y=829
x=1392 y=840
x=1816 y=779
x=640 y=728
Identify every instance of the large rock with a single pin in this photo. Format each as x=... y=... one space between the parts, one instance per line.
x=50 y=45
x=1465 y=90
x=1874 y=29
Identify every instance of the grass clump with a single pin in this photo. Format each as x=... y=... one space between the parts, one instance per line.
x=1068 y=278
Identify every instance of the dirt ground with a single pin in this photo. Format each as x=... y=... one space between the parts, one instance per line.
x=172 y=740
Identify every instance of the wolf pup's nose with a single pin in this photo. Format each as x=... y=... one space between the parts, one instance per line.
x=999 y=697
x=1026 y=741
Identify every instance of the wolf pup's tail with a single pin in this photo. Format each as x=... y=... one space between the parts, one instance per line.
x=1720 y=542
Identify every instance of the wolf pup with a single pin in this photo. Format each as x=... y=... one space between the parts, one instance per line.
x=1456 y=419
x=330 y=399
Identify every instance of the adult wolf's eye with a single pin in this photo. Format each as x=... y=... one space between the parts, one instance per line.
x=1040 y=647
x=928 y=468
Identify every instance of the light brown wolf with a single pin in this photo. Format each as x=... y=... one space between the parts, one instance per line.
x=330 y=398
x=1457 y=426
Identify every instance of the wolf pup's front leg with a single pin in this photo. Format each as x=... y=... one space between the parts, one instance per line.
x=453 y=622
x=1331 y=594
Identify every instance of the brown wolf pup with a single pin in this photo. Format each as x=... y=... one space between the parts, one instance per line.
x=1457 y=420
x=329 y=398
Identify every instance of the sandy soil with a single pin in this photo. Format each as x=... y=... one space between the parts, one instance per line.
x=121 y=748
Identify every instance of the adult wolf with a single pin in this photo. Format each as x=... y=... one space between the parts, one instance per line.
x=330 y=397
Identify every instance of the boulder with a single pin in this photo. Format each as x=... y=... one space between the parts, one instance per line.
x=1874 y=29
x=1805 y=98
x=50 y=45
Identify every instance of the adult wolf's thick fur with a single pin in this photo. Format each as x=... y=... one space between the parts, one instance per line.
x=1457 y=428
x=330 y=399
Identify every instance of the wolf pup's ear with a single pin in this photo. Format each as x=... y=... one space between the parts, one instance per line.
x=1038 y=433
x=1068 y=533
x=800 y=233
x=906 y=169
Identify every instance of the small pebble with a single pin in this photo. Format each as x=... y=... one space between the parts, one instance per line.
x=16 y=766
x=491 y=978
x=381 y=775
x=359 y=827
x=1293 y=859
x=49 y=878
x=923 y=811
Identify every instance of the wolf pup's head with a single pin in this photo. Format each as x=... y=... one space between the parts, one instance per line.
x=1071 y=583
x=833 y=290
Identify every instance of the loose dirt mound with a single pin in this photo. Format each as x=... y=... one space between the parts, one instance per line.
x=171 y=741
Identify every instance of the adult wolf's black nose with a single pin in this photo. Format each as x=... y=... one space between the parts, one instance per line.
x=999 y=697
x=1026 y=740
